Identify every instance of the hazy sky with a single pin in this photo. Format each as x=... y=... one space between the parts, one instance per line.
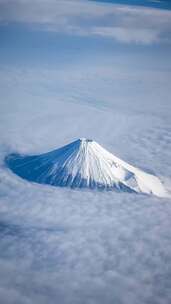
x=46 y=32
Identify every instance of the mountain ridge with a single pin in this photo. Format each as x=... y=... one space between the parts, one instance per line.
x=84 y=164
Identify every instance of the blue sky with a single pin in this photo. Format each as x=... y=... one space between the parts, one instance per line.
x=82 y=37
x=36 y=32
x=163 y=4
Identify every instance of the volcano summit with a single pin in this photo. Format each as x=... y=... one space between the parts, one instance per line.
x=84 y=164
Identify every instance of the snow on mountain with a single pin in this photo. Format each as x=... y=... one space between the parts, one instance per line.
x=84 y=164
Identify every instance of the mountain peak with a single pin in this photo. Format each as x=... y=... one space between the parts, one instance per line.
x=85 y=140
x=84 y=164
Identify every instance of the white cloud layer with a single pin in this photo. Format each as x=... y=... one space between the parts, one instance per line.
x=63 y=246
x=120 y=22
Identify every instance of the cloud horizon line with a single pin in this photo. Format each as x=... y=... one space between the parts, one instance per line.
x=122 y=23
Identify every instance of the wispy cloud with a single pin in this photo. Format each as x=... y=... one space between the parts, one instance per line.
x=80 y=17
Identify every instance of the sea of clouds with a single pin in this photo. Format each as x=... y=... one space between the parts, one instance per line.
x=85 y=247
x=59 y=245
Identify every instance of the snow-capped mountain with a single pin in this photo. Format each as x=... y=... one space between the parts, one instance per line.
x=84 y=164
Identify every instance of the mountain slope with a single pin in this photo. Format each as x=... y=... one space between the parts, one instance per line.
x=84 y=164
